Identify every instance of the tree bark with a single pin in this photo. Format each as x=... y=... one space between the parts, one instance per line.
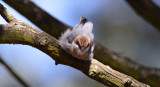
x=101 y=53
x=18 y=32
x=28 y=35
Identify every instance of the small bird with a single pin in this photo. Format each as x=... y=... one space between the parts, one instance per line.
x=79 y=41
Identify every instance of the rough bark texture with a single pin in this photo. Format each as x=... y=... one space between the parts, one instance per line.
x=38 y=16
x=18 y=32
x=142 y=73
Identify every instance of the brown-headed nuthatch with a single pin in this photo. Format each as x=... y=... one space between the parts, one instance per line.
x=79 y=41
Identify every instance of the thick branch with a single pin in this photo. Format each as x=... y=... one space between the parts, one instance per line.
x=13 y=73
x=101 y=53
x=39 y=17
x=22 y=33
x=147 y=10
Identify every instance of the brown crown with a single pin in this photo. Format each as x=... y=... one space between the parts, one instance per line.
x=82 y=40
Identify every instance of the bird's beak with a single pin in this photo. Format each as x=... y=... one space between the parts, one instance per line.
x=82 y=49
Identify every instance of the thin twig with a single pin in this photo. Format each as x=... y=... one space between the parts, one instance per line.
x=7 y=16
x=18 y=78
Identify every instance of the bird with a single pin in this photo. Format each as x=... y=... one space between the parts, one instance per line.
x=79 y=42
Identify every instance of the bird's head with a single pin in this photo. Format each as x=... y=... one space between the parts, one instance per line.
x=82 y=41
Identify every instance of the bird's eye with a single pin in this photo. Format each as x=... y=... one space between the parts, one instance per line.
x=69 y=40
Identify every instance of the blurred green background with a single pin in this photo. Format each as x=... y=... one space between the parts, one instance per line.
x=116 y=26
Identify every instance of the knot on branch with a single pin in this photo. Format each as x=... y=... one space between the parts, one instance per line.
x=43 y=41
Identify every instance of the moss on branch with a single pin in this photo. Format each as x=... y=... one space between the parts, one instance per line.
x=54 y=27
x=19 y=32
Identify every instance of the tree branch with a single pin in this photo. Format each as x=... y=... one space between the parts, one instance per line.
x=37 y=16
x=20 y=80
x=18 y=32
x=7 y=16
x=22 y=33
x=147 y=10
x=104 y=55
